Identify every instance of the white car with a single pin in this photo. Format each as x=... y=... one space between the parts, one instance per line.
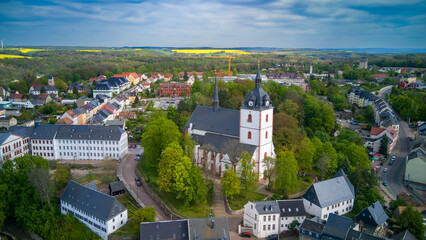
x=385 y=170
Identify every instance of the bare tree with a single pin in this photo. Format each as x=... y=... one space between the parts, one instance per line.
x=39 y=178
x=269 y=164
x=234 y=150
x=208 y=148
x=323 y=164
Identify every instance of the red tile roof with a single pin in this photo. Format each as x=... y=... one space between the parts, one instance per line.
x=376 y=130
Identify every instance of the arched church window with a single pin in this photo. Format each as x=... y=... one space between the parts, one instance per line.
x=249 y=135
x=266 y=134
x=249 y=119
x=267 y=117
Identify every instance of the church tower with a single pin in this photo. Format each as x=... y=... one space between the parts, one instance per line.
x=50 y=81
x=256 y=123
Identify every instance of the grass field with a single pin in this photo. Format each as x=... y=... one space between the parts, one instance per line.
x=239 y=201
x=2 y=56
x=209 y=51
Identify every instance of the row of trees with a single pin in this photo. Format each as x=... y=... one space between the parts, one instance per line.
x=409 y=103
x=28 y=197
x=170 y=155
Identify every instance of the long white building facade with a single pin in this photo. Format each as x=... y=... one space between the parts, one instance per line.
x=77 y=142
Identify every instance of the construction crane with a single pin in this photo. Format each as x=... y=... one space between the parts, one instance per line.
x=229 y=62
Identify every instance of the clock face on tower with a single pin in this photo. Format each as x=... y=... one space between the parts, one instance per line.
x=250 y=103
x=267 y=103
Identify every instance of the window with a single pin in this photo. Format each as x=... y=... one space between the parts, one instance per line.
x=264 y=218
x=267 y=117
x=249 y=135
x=269 y=227
x=273 y=218
x=325 y=216
x=249 y=118
x=273 y=226
x=264 y=227
x=255 y=226
x=266 y=134
x=255 y=216
x=269 y=218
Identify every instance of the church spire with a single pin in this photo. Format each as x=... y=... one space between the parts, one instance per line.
x=258 y=79
x=215 y=95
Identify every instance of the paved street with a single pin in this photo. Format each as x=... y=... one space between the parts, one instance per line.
x=395 y=175
x=128 y=172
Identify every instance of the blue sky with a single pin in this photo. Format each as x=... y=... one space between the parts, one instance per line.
x=222 y=23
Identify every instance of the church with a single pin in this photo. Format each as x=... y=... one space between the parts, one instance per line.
x=222 y=135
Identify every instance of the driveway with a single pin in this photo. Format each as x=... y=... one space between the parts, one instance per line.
x=128 y=167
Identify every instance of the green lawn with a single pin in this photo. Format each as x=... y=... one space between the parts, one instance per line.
x=239 y=201
x=200 y=210
x=129 y=228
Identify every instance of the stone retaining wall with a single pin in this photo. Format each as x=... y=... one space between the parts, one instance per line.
x=157 y=199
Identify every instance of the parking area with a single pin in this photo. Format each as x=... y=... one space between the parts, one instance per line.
x=164 y=104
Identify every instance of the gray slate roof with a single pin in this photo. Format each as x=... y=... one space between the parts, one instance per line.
x=177 y=229
x=323 y=193
x=405 y=235
x=337 y=227
x=208 y=228
x=116 y=186
x=291 y=207
x=223 y=121
x=341 y=173
x=89 y=132
x=373 y=215
x=267 y=207
x=4 y=136
x=45 y=131
x=312 y=226
x=92 y=202
x=220 y=142
x=25 y=132
x=356 y=235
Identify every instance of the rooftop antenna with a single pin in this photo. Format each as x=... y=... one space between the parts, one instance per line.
x=2 y=43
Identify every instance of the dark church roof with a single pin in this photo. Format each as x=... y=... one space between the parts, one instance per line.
x=222 y=121
x=218 y=143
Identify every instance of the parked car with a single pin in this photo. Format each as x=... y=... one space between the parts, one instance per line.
x=130 y=146
x=137 y=158
x=385 y=170
x=391 y=162
x=272 y=237
x=134 y=146
x=138 y=183
x=245 y=234
x=139 y=154
x=385 y=183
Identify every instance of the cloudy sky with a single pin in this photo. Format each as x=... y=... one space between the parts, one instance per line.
x=220 y=23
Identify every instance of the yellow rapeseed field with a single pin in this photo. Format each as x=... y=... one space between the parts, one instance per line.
x=207 y=51
x=12 y=56
x=25 y=50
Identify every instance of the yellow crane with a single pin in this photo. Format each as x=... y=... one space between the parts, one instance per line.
x=229 y=62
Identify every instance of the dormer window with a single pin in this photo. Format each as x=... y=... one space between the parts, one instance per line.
x=249 y=118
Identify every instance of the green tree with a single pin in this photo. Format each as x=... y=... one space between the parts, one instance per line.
x=231 y=185
x=369 y=114
x=305 y=154
x=384 y=145
x=247 y=175
x=159 y=133
x=146 y=214
x=42 y=90
x=170 y=156
x=188 y=146
x=185 y=76
x=61 y=177
x=286 y=172
x=413 y=221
